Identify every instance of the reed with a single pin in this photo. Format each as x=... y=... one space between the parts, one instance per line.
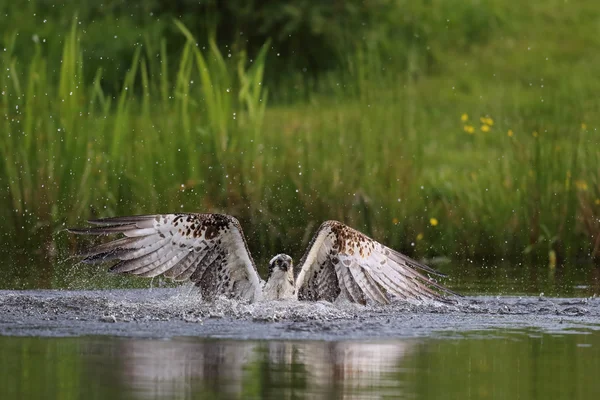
x=411 y=160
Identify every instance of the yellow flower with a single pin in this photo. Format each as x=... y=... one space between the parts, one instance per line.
x=433 y=221
x=395 y=221
x=485 y=128
x=583 y=126
x=510 y=133
x=581 y=185
x=535 y=134
x=469 y=129
x=420 y=236
x=489 y=121
x=597 y=202
x=464 y=118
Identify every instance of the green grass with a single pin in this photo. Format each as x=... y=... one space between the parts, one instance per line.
x=376 y=144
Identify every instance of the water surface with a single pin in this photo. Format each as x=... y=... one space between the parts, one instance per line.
x=499 y=364
x=164 y=343
x=38 y=270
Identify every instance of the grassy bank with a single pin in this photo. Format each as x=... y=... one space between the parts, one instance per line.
x=490 y=152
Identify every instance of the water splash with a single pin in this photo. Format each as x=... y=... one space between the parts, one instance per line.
x=167 y=312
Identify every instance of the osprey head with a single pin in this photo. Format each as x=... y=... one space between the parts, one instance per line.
x=281 y=262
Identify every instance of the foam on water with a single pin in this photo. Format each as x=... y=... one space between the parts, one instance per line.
x=181 y=312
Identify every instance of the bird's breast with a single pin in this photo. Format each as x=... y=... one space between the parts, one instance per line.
x=279 y=286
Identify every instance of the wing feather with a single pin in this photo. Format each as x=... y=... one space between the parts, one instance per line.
x=349 y=285
x=366 y=283
x=182 y=266
x=204 y=263
x=162 y=265
x=207 y=249
x=115 y=245
x=342 y=260
x=144 y=264
x=146 y=246
x=209 y=282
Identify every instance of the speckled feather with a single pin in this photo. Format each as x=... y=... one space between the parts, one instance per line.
x=208 y=249
x=343 y=261
x=211 y=251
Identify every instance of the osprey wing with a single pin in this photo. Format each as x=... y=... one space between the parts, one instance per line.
x=342 y=260
x=207 y=249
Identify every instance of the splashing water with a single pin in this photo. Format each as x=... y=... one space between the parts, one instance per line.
x=168 y=312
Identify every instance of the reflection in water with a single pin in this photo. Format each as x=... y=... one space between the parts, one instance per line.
x=283 y=369
x=508 y=364
x=162 y=369
x=349 y=369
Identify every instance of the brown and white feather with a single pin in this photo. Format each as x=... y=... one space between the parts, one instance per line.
x=343 y=261
x=207 y=249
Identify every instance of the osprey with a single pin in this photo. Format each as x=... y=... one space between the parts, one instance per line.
x=210 y=250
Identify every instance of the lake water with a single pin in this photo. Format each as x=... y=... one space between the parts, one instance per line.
x=494 y=364
x=38 y=270
x=163 y=343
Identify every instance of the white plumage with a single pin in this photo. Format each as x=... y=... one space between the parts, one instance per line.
x=211 y=251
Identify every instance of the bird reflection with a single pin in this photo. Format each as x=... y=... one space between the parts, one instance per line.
x=183 y=368
x=264 y=369
x=349 y=370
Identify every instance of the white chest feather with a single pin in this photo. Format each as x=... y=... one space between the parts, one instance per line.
x=280 y=286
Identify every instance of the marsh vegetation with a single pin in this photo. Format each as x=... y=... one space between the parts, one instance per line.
x=456 y=129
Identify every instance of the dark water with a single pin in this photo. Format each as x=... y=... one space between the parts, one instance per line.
x=495 y=364
x=58 y=269
x=165 y=343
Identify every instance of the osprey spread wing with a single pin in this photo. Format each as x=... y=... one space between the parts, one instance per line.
x=211 y=251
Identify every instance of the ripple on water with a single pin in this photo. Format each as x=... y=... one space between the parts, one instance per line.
x=181 y=312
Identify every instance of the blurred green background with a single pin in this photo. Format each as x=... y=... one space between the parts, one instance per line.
x=449 y=130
